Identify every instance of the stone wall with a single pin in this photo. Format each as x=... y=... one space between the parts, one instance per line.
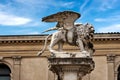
x=20 y=54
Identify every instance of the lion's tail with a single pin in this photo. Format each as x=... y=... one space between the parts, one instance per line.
x=45 y=45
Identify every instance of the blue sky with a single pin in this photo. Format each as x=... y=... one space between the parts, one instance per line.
x=23 y=17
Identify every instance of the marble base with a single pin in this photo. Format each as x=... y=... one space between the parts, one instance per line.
x=70 y=54
x=71 y=68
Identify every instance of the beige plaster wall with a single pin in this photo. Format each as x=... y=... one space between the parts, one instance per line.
x=34 y=69
x=100 y=71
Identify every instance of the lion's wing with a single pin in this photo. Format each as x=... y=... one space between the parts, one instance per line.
x=65 y=18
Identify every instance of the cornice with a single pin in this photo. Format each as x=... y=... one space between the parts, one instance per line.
x=18 y=39
x=109 y=33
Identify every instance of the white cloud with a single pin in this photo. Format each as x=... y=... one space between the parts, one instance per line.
x=25 y=31
x=100 y=20
x=67 y=4
x=45 y=4
x=84 y=5
x=12 y=20
x=111 y=28
x=33 y=32
x=107 y=4
x=108 y=19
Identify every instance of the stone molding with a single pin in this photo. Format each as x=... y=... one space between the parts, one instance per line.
x=110 y=58
x=40 y=38
x=42 y=41
x=1 y=58
x=78 y=66
x=17 y=60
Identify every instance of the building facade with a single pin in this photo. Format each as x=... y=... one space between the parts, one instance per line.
x=19 y=60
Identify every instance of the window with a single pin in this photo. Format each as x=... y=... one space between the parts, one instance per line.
x=118 y=76
x=4 y=72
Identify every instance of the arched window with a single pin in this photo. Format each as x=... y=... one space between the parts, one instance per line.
x=4 y=72
x=118 y=75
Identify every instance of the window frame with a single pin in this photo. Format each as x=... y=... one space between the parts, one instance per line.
x=6 y=74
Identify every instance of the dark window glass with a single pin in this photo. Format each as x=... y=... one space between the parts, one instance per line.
x=118 y=76
x=4 y=72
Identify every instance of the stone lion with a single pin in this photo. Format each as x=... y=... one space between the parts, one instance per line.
x=80 y=35
x=77 y=35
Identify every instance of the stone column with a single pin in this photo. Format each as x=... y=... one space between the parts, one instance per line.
x=16 y=67
x=71 y=68
x=110 y=61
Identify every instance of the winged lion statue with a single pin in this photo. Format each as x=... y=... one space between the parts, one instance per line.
x=67 y=31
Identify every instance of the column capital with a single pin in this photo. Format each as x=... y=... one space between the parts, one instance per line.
x=111 y=57
x=17 y=60
x=1 y=58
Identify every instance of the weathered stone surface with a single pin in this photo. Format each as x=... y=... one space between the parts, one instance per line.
x=71 y=68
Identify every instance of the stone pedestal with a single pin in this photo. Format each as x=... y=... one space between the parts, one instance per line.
x=71 y=68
